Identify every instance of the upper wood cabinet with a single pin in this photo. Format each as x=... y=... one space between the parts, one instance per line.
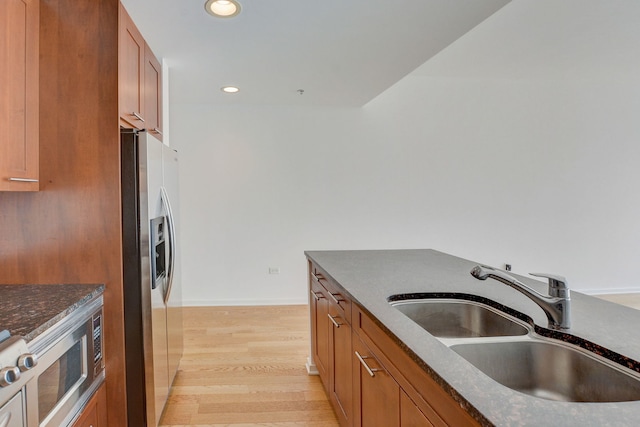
x=140 y=80
x=152 y=93
x=131 y=73
x=19 y=89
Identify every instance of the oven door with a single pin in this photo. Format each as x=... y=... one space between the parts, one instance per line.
x=12 y=412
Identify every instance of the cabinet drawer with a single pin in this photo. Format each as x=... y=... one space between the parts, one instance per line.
x=334 y=293
x=317 y=290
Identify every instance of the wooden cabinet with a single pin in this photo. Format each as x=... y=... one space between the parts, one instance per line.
x=331 y=344
x=140 y=80
x=369 y=378
x=410 y=414
x=340 y=368
x=131 y=73
x=377 y=395
x=19 y=89
x=95 y=413
x=320 y=326
x=378 y=398
x=152 y=93
x=420 y=401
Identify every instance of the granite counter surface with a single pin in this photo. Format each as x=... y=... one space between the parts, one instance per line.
x=29 y=310
x=371 y=277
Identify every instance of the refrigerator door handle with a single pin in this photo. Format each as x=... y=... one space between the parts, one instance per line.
x=172 y=242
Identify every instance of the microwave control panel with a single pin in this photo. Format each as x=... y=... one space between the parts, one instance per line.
x=97 y=341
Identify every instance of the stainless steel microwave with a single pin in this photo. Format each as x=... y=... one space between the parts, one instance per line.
x=70 y=368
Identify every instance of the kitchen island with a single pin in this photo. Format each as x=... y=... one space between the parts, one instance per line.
x=369 y=278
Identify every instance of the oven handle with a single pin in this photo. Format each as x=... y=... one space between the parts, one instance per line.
x=172 y=242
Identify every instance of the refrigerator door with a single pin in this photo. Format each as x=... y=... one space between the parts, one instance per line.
x=151 y=257
x=137 y=278
x=156 y=362
x=173 y=297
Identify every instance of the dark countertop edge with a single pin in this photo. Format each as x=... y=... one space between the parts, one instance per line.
x=95 y=292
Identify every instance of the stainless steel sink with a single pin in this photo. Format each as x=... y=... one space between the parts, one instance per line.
x=456 y=318
x=552 y=371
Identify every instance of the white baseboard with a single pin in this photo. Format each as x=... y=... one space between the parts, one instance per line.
x=243 y=302
x=311 y=367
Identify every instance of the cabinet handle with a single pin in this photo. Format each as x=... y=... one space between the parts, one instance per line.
x=337 y=299
x=333 y=320
x=23 y=179
x=317 y=296
x=369 y=370
x=137 y=116
x=156 y=130
x=318 y=276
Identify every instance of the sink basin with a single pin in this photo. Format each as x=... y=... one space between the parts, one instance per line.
x=552 y=371
x=456 y=318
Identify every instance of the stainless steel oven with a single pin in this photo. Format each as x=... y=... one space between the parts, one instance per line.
x=16 y=371
x=69 y=370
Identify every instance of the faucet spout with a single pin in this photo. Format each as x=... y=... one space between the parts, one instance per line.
x=556 y=305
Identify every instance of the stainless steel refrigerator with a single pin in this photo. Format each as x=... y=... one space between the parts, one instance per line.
x=151 y=260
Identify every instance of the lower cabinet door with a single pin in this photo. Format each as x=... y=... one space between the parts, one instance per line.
x=376 y=394
x=410 y=414
x=95 y=413
x=341 y=382
x=320 y=325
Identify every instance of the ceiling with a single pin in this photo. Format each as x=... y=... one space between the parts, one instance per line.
x=571 y=40
x=340 y=52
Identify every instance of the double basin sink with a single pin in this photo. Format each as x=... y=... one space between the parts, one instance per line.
x=509 y=351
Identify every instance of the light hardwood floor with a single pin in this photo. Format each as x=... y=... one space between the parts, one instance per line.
x=245 y=366
x=630 y=300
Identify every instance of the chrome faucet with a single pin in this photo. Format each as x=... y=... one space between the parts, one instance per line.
x=556 y=305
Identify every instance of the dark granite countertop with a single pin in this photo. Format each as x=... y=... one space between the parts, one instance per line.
x=370 y=277
x=29 y=310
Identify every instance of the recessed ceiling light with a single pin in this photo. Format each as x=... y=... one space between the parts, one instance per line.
x=230 y=89
x=222 y=8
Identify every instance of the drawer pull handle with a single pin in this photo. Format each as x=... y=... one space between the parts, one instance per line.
x=23 y=179
x=337 y=298
x=369 y=370
x=333 y=320
x=318 y=276
x=156 y=131
x=137 y=116
x=317 y=296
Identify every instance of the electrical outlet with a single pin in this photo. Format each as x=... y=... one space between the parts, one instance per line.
x=274 y=270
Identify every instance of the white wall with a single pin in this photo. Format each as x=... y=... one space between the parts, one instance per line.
x=537 y=170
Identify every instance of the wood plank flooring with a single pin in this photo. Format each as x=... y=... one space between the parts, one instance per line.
x=245 y=366
x=630 y=300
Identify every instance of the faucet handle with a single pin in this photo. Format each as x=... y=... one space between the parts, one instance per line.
x=558 y=286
